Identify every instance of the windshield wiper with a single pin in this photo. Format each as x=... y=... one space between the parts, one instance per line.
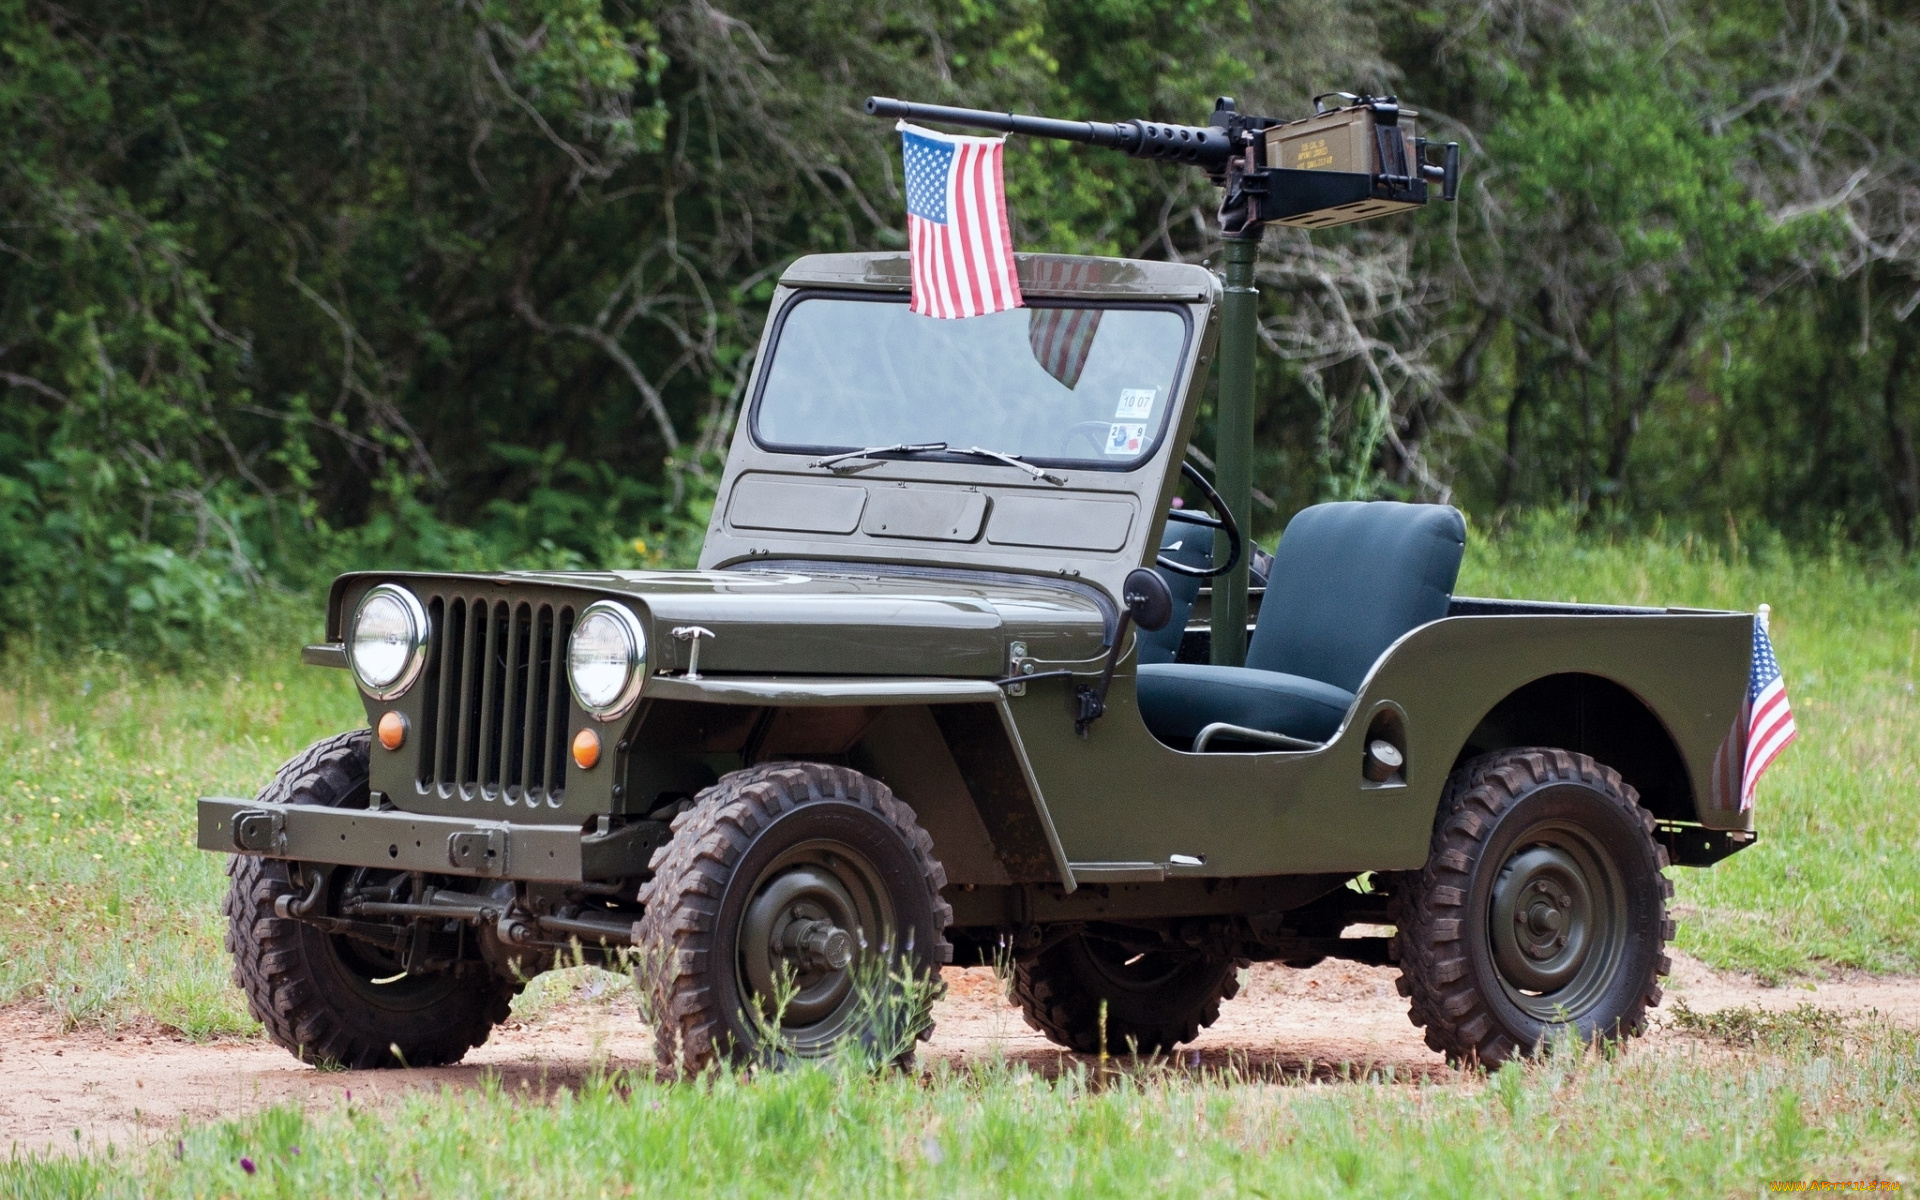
x=1012 y=460
x=914 y=448
x=870 y=451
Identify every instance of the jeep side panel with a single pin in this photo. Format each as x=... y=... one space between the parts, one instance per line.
x=1129 y=807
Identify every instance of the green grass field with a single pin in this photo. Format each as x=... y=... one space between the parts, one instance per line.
x=1711 y=1120
x=112 y=917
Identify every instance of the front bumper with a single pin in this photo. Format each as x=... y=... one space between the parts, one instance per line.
x=411 y=842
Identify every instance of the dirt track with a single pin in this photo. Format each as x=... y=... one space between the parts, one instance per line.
x=134 y=1087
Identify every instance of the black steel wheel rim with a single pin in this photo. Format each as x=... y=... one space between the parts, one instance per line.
x=813 y=919
x=1557 y=923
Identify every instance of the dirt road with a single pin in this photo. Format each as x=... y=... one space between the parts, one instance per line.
x=134 y=1086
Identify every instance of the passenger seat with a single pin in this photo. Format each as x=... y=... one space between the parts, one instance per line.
x=1348 y=580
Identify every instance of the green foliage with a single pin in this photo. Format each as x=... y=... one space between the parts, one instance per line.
x=1806 y=1026
x=302 y=288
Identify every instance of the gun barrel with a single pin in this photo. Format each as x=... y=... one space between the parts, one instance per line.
x=1204 y=146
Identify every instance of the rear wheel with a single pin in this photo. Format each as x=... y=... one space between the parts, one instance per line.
x=795 y=913
x=329 y=998
x=1542 y=908
x=1155 y=999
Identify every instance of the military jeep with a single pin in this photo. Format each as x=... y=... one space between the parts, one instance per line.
x=942 y=690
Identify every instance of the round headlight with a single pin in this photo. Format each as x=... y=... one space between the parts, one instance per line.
x=387 y=644
x=607 y=659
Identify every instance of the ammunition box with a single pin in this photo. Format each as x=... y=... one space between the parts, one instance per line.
x=1346 y=139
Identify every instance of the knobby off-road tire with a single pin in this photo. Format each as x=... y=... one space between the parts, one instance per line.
x=747 y=897
x=315 y=992
x=1155 y=1001
x=1542 y=908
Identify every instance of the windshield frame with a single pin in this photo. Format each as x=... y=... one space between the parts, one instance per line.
x=763 y=369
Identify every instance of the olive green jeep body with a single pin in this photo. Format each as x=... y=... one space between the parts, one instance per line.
x=862 y=632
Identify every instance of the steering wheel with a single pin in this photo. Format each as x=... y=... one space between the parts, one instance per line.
x=1095 y=432
x=1223 y=519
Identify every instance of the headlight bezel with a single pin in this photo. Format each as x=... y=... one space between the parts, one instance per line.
x=416 y=659
x=636 y=635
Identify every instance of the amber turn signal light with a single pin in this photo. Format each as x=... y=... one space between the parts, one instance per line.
x=586 y=749
x=392 y=729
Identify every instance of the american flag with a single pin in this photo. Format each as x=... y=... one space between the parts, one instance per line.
x=1770 y=718
x=1062 y=337
x=957 y=237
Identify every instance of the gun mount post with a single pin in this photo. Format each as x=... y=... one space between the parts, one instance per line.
x=1233 y=438
x=1348 y=164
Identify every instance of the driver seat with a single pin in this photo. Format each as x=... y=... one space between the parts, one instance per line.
x=1348 y=580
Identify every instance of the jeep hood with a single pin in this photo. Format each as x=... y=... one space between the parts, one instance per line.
x=807 y=618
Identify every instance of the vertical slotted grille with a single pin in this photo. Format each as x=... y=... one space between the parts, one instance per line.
x=496 y=711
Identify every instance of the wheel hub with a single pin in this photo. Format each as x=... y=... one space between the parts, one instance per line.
x=819 y=944
x=1542 y=919
x=798 y=940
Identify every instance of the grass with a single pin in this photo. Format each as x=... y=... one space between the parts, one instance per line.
x=1702 y=1119
x=111 y=915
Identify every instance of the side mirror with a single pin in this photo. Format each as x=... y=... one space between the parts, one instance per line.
x=1148 y=600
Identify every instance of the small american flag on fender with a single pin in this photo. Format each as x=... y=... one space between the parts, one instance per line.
x=1770 y=718
x=957 y=237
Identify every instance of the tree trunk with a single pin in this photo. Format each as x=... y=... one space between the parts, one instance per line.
x=1628 y=425
x=1903 y=463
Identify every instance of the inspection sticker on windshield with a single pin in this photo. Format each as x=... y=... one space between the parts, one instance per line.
x=1135 y=402
x=1126 y=439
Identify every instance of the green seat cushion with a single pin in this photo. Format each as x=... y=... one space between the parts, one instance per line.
x=1178 y=700
x=1350 y=579
x=1347 y=581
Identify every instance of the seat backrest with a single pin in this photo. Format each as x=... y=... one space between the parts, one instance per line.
x=1348 y=580
x=1190 y=545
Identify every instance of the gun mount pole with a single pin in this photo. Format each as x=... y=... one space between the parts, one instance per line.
x=1233 y=438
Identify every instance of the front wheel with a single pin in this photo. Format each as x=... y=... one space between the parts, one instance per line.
x=795 y=913
x=1542 y=907
x=328 y=998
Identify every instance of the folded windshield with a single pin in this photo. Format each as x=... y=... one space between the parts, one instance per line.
x=1081 y=386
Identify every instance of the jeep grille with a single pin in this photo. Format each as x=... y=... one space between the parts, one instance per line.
x=495 y=726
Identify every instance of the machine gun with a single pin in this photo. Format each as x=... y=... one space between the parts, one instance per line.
x=1348 y=163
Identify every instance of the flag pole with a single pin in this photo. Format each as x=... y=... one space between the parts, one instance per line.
x=1766 y=619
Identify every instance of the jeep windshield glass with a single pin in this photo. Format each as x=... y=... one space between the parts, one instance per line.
x=1065 y=386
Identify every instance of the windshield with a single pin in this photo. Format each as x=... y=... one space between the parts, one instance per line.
x=1081 y=386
